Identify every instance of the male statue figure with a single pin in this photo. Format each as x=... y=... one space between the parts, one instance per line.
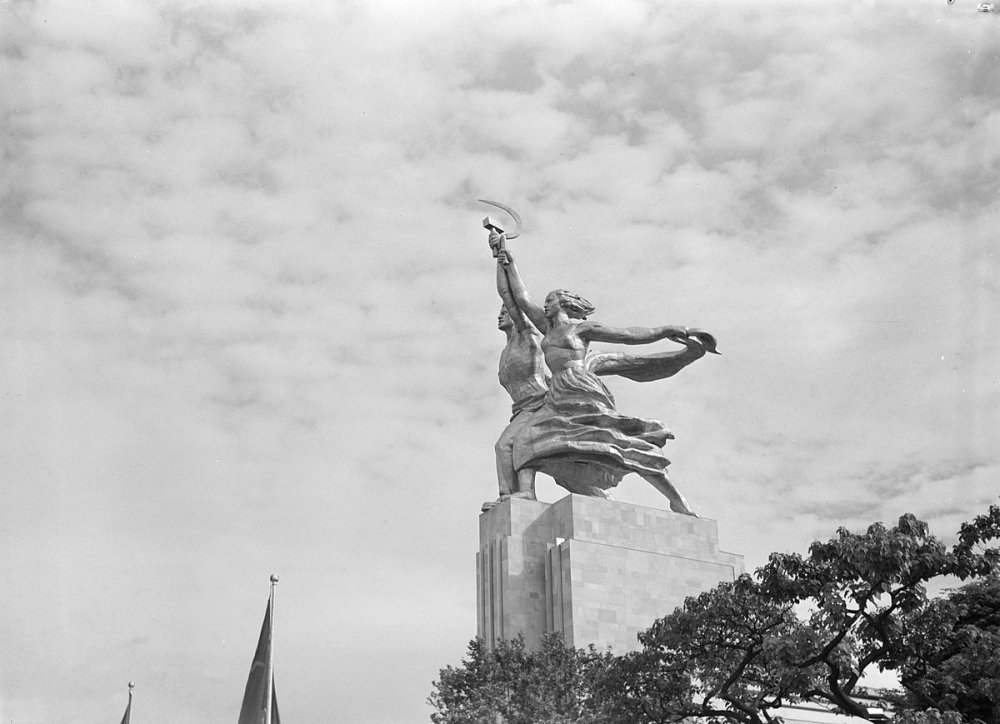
x=524 y=375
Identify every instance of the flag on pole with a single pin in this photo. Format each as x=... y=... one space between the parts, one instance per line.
x=261 y=679
x=128 y=709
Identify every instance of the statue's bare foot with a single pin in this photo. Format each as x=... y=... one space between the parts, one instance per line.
x=524 y=495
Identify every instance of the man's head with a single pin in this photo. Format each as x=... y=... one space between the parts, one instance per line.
x=504 y=322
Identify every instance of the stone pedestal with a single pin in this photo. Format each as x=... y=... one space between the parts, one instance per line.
x=595 y=570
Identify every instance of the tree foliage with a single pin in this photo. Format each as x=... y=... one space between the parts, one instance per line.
x=803 y=628
x=950 y=658
x=510 y=684
x=730 y=653
x=928 y=716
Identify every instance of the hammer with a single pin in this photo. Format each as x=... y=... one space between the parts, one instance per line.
x=494 y=225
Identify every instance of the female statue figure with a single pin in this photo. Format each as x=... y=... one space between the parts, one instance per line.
x=578 y=436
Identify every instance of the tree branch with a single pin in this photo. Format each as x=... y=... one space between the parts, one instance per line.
x=840 y=698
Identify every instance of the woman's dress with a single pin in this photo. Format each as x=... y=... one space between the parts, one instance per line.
x=581 y=440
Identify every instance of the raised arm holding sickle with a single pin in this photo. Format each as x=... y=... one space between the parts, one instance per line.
x=578 y=436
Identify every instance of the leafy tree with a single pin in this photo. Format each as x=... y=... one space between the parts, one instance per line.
x=950 y=658
x=929 y=716
x=805 y=628
x=730 y=653
x=513 y=685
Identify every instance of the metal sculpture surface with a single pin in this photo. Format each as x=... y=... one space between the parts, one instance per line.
x=565 y=423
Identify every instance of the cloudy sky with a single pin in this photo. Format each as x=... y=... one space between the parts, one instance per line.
x=248 y=318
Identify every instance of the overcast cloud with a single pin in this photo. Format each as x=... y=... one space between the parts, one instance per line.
x=248 y=316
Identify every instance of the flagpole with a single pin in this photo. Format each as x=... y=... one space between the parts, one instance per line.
x=128 y=709
x=270 y=654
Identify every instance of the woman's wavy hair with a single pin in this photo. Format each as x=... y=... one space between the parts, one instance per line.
x=575 y=305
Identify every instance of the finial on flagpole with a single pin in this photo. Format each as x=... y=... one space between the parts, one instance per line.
x=131 y=685
x=269 y=670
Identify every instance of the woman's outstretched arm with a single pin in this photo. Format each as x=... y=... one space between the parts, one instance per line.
x=594 y=332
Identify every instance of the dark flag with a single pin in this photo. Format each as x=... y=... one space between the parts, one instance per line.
x=261 y=674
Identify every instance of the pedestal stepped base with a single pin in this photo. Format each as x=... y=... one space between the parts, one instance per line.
x=595 y=570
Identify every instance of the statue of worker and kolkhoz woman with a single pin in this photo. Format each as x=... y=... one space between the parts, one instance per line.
x=565 y=423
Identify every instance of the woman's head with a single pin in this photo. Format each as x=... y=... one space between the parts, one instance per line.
x=574 y=305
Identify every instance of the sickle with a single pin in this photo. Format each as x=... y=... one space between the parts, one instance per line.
x=513 y=214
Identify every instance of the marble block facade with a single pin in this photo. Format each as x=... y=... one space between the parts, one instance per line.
x=596 y=570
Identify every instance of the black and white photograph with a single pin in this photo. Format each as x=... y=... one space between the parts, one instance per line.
x=511 y=362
